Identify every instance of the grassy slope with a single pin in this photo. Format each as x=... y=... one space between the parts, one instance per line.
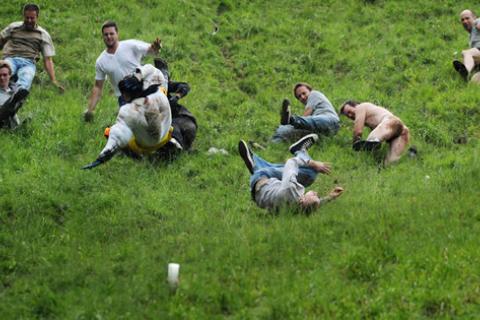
x=401 y=242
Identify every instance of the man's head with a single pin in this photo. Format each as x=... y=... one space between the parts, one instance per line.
x=301 y=91
x=30 y=15
x=131 y=88
x=110 y=34
x=5 y=74
x=348 y=109
x=309 y=201
x=467 y=18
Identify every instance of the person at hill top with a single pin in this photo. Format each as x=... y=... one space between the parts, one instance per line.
x=11 y=97
x=274 y=186
x=22 y=42
x=471 y=56
x=143 y=124
x=318 y=117
x=385 y=127
x=119 y=59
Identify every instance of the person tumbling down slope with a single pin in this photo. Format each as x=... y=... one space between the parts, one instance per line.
x=385 y=127
x=277 y=185
x=143 y=125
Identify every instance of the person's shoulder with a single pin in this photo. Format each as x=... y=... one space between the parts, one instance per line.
x=101 y=57
x=14 y=25
x=133 y=42
x=42 y=30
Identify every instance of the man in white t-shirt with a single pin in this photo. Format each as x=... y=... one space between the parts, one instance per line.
x=118 y=60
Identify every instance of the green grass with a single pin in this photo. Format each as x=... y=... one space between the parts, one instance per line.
x=401 y=242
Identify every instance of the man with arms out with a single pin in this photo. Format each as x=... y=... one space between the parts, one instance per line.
x=384 y=125
x=318 y=117
x=11 y=98
x=470 y=56
x=274 y=186
x=118 y=60
x=22 y=43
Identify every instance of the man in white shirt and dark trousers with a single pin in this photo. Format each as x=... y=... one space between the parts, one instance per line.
x=274 y=186
x=119 y=59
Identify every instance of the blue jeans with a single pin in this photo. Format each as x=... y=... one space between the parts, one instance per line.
x=300 y=126
x=24 y=69
x=262 y=168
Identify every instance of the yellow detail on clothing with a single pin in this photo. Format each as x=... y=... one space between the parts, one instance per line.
x=138 y=149
x=163 y=90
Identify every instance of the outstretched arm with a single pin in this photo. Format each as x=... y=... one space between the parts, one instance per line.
x=155 y=47
x=48 y=63
x=94 y=98
x=335 y=193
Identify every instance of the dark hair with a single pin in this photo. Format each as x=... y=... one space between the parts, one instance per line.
x=31 y=7
x=131 y=86
x=301 y=84
x=352 y=103
x=109 y=24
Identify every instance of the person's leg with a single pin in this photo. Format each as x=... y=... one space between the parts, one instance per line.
x=25 y=70
x=288 y=133
x=324 y=125
x=397 y=146
x=188 y=130
x=470 y=56
x=387 y=130
x=13 y=104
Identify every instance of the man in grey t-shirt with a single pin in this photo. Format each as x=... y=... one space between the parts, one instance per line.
x=471 y=56
x=318 y=117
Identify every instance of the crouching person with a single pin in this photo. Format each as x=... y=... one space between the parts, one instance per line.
x=143 y=125
x=11 y=97
x=274 y=186
x=384 y=125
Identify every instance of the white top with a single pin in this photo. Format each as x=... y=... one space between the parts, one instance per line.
x=123 y=62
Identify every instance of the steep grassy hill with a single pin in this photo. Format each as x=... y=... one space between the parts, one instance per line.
x=401 y=242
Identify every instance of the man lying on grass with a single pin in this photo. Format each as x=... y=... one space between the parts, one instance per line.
x=471 y=56
x=385 y=127
x=11 y=97
x=143 y=125
x=277 y=185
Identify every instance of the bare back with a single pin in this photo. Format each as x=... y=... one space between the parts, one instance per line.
x=372 y=114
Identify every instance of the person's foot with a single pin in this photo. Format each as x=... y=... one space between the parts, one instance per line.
x=17 y=99
x=304 y=143
x=461 y=69
x=285 y=112
x=176 y=144
x=246 y=155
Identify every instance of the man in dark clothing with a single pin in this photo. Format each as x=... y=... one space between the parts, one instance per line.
x=183 y=122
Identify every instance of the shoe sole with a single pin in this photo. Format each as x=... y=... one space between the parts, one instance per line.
x=461 y=69
x=285 y=112
x=246 y=155
x=293 y=148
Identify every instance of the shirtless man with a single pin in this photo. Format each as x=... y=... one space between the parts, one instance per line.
x=471 y=56
x=385 y=127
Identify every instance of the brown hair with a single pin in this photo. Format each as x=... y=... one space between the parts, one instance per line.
x=31 y=7
x=349 y=102
x=5 y=64
x=301 y=84
x=109 y=24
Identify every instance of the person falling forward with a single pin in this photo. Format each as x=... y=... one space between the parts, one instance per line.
x=143 y=125
x=274 y=186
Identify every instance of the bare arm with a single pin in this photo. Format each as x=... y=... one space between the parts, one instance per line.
x=94 y=98
x=335 y=193
x=308 y=111
x=48 y=64
x=360 y=115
